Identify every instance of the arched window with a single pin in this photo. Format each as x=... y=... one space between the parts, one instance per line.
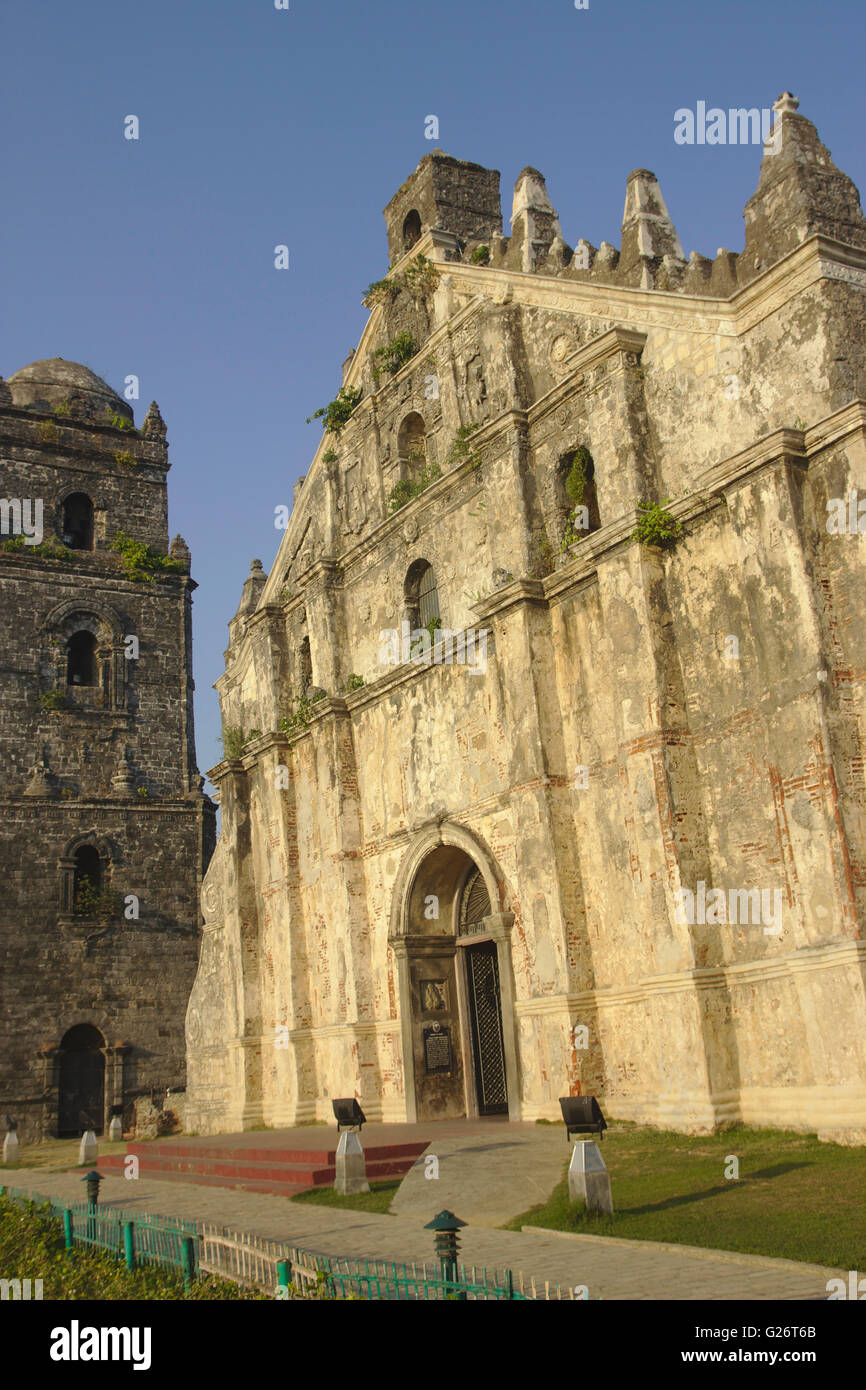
x=78 y=521
x=577 y=492
x=422 y=595
x=87 y=874
x=411 y=229
x=81 y=663
x=411 y=440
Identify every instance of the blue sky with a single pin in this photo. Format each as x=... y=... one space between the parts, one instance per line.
x=260 y=127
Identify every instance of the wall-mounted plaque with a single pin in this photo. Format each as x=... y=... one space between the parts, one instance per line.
x=434 y=996
x=437 y=1048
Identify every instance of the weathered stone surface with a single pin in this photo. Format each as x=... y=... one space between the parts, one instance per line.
x=432 y=851
x=588 y=1178
x=107 y=767
x=350 y=1164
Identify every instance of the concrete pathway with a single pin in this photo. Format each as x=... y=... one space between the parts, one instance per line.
x=486 y=1178
x=609 y=1268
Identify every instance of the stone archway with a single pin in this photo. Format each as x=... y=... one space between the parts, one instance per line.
x=453 y=950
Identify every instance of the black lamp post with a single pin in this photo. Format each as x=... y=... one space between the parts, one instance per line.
x=447 y=1242
x=92 y=1179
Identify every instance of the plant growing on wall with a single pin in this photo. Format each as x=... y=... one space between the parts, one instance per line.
x=578 y=475
x=381 y=292
x=232 y=739
x=354 y=682
x=120 y=422
x=49 y=431
x=300 y=713
x=125 y=459
x=54 y=699
x=394 y=355
x=480 y=256
x=421 y=277
x=409 y=488
x=337 y=412
x=141 y=561
x=656 y=526
x=93 y=901
x=461 y=449
x=46 y=550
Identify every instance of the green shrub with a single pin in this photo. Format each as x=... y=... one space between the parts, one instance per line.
x=233 y=740
x=54 y=699
x=49 y=431
x=394 y=355
x=299 y=713
x=421 y=277
x=381 y=292
x=141 y=561
x=46 y=550
x=32 y=1247
x=480 y=256
x=337 y=412
x=578 y=477
x=99 y=903
x=409 y=488
x=656 y=526
x=461 y=450
x=355 y=682
x=125 y=459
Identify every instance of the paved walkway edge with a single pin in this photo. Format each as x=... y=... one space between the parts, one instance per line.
x=735 y=1257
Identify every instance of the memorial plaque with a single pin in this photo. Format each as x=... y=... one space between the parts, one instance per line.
x=437 y=1048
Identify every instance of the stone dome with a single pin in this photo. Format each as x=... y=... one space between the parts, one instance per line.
x=46 y=384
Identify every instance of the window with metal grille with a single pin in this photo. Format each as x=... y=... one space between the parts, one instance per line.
x=428 y=598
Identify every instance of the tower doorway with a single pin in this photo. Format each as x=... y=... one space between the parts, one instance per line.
x=82 y=1081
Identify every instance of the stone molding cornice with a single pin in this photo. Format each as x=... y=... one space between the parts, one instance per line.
x=617 y=341
x=832 y=956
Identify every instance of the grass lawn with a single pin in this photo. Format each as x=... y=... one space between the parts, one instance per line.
x=53 y=1154
x=795 y=1198
x=378 y=1199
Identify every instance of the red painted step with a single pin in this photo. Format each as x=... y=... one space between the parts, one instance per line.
x=274 y=1169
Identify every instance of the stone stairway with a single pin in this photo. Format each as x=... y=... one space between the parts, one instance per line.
x=252 y=1167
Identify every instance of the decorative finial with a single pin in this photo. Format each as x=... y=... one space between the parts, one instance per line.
x=787 y=102
x=256 y=565
x=154 y=425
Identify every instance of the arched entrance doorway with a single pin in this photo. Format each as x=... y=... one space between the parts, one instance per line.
x=82 y=1081
x=453 y=951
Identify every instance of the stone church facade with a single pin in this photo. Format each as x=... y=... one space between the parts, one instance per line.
x=104 y=830
x=516 y=804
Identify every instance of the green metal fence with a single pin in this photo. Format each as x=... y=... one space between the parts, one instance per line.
x=195 y=1250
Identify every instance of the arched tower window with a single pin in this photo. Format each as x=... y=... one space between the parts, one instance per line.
x=576 y=491
x=422 y=595
x=411 y=440
x=78 y=521
x=411 y=229
x=88 y=872
x=81 y=663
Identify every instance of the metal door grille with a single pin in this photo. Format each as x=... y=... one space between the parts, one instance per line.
x=487 y=1029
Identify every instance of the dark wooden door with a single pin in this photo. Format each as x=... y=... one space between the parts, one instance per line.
x=486 y=1018
x=82 y=1089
